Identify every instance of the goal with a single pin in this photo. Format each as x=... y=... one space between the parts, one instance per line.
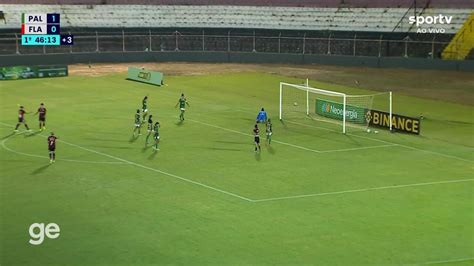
x=300 y=101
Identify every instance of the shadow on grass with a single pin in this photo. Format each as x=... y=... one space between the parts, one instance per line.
x=32 y=134
x=146 y=148
x=153 y=155
x=180 y=123
x=114 y=147
x=257 y=157
x=104 y=139
x=9 y=135
x=270 y=149
x=248 y=119
x=133 y=138
x=41 y=169
x=222 y=149
x=232 y=142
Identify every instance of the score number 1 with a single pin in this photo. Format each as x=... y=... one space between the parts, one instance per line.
x=53 y=22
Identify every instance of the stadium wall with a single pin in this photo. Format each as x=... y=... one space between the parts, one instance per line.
x=224 y=57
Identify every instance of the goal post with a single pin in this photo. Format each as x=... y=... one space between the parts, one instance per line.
x=300 y=101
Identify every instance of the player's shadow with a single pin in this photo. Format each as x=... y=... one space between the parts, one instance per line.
x=146 y=148
x=40 y=170
x=222 y=149
x=248 y=119
x=106 y=140
x=133 y=138
x=232 y=142
x=153 y=155
x=32 y=134
x=180 y=123
x=9 y=135
x=258 y=157
x=270 y=149
x=113 y=147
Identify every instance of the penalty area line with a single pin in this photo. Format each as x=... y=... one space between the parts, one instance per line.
x=245 y=134
x=159 y=171
x=364 y=190
x=297 y=146
x=150 y=169
x=3 y=144
x=388 y=142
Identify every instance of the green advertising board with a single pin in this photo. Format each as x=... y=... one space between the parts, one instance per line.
x=143 y=75
x=27 y=72
x=334 y=110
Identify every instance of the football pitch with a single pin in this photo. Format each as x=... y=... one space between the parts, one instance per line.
x=314 y=196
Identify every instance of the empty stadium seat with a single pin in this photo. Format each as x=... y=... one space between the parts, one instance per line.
x=250 y=17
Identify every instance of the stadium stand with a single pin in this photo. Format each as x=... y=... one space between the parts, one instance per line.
x=347 y=27
x=246 y=17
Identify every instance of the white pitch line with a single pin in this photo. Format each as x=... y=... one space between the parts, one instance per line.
x=267 y=199
x=332 y=130
x=245 y=134
x=364 y=190
x=151 y=169
x=45 y=157
x=443 y=261
x=293 y=145
x=158 y=171
x=388 y=142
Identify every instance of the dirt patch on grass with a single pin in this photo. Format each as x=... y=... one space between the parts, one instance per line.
x=451 y=86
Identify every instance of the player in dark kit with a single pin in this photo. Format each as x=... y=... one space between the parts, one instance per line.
x=42 y=117
x=256 y=133
x=21 y=118
x=52 y=147
x=144 y=108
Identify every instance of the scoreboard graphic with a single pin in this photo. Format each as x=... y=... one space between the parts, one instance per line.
x=43 y=29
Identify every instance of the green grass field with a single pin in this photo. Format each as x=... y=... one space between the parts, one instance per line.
x=315 y=196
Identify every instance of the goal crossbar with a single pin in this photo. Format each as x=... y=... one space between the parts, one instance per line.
x=311 y=89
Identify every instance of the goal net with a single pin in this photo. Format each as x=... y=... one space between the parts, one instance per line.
x=300 y=101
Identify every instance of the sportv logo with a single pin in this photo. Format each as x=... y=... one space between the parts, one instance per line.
x=430 y=20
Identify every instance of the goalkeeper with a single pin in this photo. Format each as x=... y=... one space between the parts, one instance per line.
x=262 y=116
